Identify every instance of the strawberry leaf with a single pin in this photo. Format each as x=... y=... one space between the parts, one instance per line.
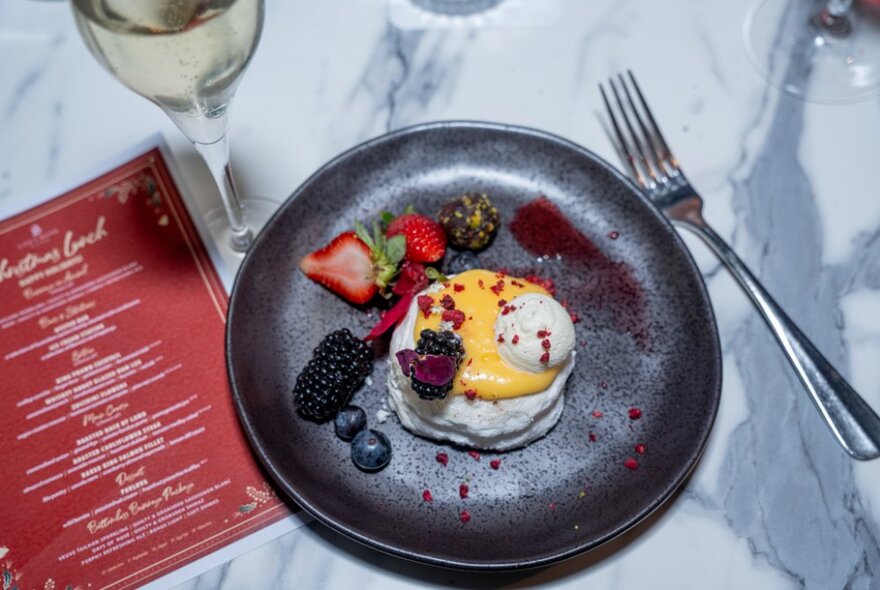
x=396 y=248
x=361 y=232
x=378 y=236
x=386 y=217
x=434 y=274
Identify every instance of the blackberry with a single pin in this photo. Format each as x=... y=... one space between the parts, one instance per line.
x=338 y=367
x=341 y=348
x=444 y=343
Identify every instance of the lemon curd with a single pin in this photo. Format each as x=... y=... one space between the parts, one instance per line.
x=479 y=294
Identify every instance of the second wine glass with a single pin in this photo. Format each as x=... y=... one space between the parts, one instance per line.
x=187 y=56
x=823 y=51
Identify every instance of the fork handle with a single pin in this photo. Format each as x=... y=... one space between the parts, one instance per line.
x=854 y=424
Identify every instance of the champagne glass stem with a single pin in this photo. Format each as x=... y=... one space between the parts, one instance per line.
x=216 y=156
x=834 y=19
x=838 y=7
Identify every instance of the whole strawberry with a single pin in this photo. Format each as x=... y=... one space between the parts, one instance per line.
x=425 y=239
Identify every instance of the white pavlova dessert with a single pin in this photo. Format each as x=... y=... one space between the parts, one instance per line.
x=482 y=361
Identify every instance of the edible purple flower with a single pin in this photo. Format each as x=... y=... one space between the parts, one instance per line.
x=406 y=357
x=434 y=369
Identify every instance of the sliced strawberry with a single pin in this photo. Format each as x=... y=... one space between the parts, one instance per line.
x=345 y=267
x=425 y=239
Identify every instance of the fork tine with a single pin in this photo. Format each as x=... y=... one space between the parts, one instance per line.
x=646 y=134
x=666 y=154
x=624 y=145
x=632 y=132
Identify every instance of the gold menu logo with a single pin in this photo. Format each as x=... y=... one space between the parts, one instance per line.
x=38 y=236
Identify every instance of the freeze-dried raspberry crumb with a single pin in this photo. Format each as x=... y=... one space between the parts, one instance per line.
x=631 y=463
x=545 y=358
x=471 y=394
x=463 y=491
x=447 y=302
x=498 y=287
x=425 y=304
x=640 y=449
x=464 y=517
x=597 y=414
x=474 y=455
x=456 y=316
x=515 y=339
x=495 y=464
x=457 y=287
x=545 y=344
x=635 y=413
x=542 y=282
x=427 y=497
x=500 y=339
x=442 y=458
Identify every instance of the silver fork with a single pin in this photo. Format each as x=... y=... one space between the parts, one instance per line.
x=651 y=164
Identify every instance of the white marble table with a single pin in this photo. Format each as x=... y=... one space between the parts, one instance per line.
x=774 y=503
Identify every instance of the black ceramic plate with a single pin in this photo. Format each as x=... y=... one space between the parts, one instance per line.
x=646 y=340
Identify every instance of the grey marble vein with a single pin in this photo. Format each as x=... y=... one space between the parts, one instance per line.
x=790 y=490
x=27 y=85
x=406 y=71
x=55 y=136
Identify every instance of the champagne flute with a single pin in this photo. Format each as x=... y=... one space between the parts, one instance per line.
x=824 y=51
x=186 y=56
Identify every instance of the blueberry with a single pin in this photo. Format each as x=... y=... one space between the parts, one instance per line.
x=370 y=450
x=462 y=261
x=349 y=421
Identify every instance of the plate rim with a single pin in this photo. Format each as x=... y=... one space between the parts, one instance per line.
x=279 y=480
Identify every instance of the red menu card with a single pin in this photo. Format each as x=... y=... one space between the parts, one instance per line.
x=122 y=455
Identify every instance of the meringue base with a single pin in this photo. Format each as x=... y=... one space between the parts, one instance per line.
x=497 y=425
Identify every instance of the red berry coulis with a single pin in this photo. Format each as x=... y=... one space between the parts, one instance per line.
x=611 y=295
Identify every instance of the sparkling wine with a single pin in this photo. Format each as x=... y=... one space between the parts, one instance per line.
x=185 y=55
